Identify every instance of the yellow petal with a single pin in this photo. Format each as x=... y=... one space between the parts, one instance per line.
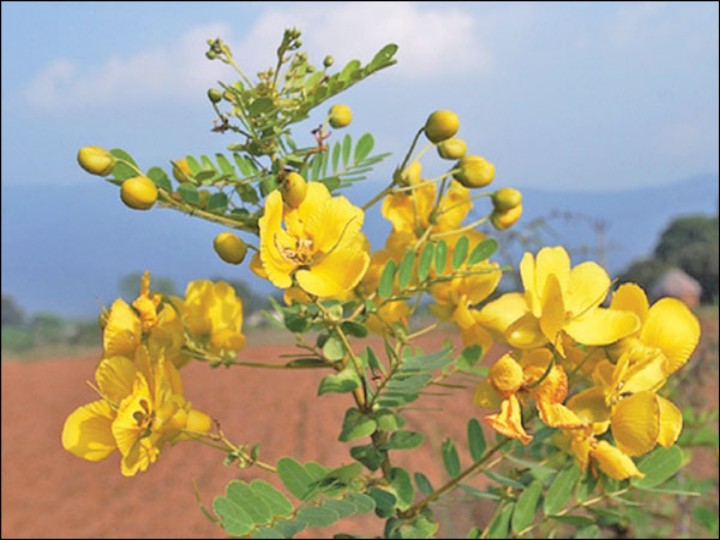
x=649 y=374
x=506 y=375
x=553 y=261
x=462 y=316
x=486 y=396
x=296 y=219
x=553 y=310
x=614 y=462
x=589 y=405
x=527 y=275
x=553 y=388
x=123 y=330
x=454 y=207
x=275 y=265
x=257 y=267
x=499 y=314
x=580 y=447
x=588 y=287
x=508 y=421
x=334 y=275
x=476 y=335
x=139 y=458
x=636 y=423
x=87 y=431
x=134 y=416
x=525 y=333
x=115 y=377
x=334 y=225
x=631 y=297
x=602 y=326
x=558 y=416
x=673 y=328
x=671 y=422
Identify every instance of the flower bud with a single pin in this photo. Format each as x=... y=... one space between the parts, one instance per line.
x=294 y=189
x=452 y=148
x=441 y=125
x=198 y=422
x=139 y=192
x=505 y=219
x=230 y=247
x=329 y=61
x=181 y=170
x=506 y=199
x=339 y=116
x=474 y=172
x=215 y=95
x=96 y=160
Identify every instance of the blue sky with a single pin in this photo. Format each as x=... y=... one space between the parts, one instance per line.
x=562 y=96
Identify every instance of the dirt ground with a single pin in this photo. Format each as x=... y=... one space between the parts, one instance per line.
x=48 y=493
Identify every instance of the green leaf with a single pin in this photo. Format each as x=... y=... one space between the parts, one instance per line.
x=247 y=194
x=373 y=362
x=333 y=348
x=296 y=323
x=346 y=149
x=295 y=478
x=318 y=516
x=441 y=252
x=499 y=527
x=157 y=175
x=193 y=165
x=267 y=532
x=235 y=520
x=343 y=508
x=483 y=251
x=122 y=154
x=205 y=174
x=331 y=182
x=586 y=486
x=208 y=164
x=426 y=259
x=504 y=480
x=420 y=526
x=363 y=503
x=561 y=490
x=474 y=533
x=402 y=484
x=385 y=286
x=363 y=147
x=289 y=528
x=405 y=270
x=383 y=58
x=217 y=202
x=657 y=467
x=460 y=252
x=384 y=501
x=343 y=382
x=349 y=70
x=423 y=483
x=368 y=455
x=267 y=185
x=388 y=420
x=468 y=358
x=707 y=518
x=404 y=440
x=575 y=521
x=261 y=105
x=189 y=193
x=243 y=165
x=337 y=148
x=278 y=503
x=593 y=531
x=451 y=458
x=224 y=164
x=476 y=439
x=526 y=507
x=356 y=425
x=243 y=495
x=354 y=329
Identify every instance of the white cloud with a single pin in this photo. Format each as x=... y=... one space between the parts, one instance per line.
x=434 y=41
x=177 y=70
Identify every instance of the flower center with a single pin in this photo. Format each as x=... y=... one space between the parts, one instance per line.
x=302 y=254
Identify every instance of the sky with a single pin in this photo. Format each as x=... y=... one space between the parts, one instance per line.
x=559 y=96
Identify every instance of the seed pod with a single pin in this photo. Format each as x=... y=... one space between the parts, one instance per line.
x=230 y=247
x=96 y=160
x=474 y=172
x=139 y=193
x=441 y=125
x=294 y=189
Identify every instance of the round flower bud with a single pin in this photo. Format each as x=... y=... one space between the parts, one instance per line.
x=452 y=148
x=139 y=192
x=474 y=172
x=294 y=189
x=230 y=247
x=329 y=61
x=181 y=170
x=441 y=125
x=506 y=375
x=339 y=116
x=198 y=422
x=505 y=219
x=506 y=199
x=96 y=160
x=215 y=95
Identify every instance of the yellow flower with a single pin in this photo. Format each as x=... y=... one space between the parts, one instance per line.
x=321 y=248
x=562 y=300
x=148 y=317
x=213 y=316
x=387 y=315
x=141 y=409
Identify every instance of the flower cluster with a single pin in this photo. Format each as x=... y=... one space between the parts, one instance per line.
x=142 y=406
x=561 y=336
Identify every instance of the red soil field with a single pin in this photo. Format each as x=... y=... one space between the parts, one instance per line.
x=48 y=493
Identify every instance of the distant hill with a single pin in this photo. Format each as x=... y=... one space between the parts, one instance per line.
x=64 y=249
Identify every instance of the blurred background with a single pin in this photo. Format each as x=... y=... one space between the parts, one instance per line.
x=604 y=115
